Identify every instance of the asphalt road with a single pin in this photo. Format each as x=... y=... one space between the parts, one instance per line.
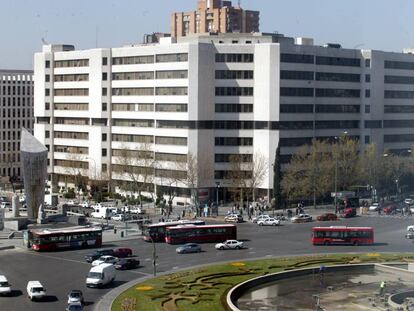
x=63 y=271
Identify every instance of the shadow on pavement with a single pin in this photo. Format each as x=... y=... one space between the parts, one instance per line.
x=16 y=293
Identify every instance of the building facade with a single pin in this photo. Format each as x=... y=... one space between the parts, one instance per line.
x=215 y=97
x=215 y=16
x=16 y=111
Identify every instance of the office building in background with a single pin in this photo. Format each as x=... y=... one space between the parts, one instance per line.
x=16 y=111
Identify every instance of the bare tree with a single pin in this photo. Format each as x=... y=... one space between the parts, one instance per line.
x=309 y=172
x=346 y=158
x=136 y=166
x=77 y=169
x=259 y=169
x=237 y=176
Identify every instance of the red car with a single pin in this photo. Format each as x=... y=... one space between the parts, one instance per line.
x=349 y=212
x=123 y=252
x=390 y=209
x=327 y=217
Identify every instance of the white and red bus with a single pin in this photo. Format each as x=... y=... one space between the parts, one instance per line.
x=65 y=238
x=342 y=235
x=200 y=234
x=156 y=232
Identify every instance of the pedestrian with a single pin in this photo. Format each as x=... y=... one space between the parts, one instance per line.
x=382 y=288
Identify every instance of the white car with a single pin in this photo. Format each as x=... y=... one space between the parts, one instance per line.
x=233 y=218
x=5 y=288
x=410 y=228
x=229 y=244
x=408 y=201
x=119 y=217
x=301 y=218
x=269 y=222
x=260 y=217
x=374 y=207
x=35 y=290
x=104 y=259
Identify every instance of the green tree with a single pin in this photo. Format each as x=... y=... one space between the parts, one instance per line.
x=346 y=159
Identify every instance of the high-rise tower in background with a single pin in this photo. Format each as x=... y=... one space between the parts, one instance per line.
x=214 y=16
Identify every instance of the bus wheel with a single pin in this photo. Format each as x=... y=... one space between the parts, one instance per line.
x=326 y=243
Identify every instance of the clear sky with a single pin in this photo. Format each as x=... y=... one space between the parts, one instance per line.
x=367 y=24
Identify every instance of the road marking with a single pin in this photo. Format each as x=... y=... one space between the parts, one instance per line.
x=138 y=272
x=59 y=258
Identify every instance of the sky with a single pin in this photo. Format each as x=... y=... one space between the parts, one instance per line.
x=364 y=24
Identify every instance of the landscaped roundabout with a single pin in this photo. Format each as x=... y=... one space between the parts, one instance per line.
x=334 y=282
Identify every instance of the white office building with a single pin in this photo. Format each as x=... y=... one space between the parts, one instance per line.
x=214 y=96
x=16 y=111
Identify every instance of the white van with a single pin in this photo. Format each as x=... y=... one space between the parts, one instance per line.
x=101 y=275
x=35 y=290
x=5 y=288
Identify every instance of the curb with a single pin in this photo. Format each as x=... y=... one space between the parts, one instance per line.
x=2 y=248
x=105 y=303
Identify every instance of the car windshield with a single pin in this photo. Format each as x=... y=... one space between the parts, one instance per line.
x=94 y=275
x=4 y=284
x=75 y=295
x=75 y=308
x=37 y=289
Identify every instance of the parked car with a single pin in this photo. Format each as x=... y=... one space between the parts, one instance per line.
x=233 y=218
x=410 y=235
x=269 y=222
x=410 y=228
x=35 y=290
x=5 y=288
x=75 y=296
x=188 y=248
x=327 y=217
x=122 y=252
x=260 y=217
x=301 y=218
x=104 y=259
x=126 y=264
x=75 y=306
x=374 y=207
x=95 y=255
x=229 y=244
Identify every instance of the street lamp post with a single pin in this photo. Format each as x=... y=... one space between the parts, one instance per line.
x=217 y=195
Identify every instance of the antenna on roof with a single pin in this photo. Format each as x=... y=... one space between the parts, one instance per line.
x=239 y=3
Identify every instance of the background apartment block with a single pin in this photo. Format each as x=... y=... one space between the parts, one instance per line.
x=216 y=96
x=215 y=16
x=16 y=111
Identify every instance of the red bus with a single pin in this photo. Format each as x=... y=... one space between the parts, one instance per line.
x=200 y=234
x=67 y=238
x=342 y=235
x=156 y=232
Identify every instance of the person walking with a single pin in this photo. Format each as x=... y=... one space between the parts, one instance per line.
x=382 y=288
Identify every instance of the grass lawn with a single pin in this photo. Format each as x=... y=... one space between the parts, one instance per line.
x=205 y=289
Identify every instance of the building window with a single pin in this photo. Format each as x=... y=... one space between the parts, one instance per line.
x=104 y=167
x=296 y=91
x=171 y=74
x=337 y=93
x=368 y=78
x=171 y=107
x=234 y=58
x=72 y=63
x=47 y=106
x=234 y=108
x=340 y=77
x=104 y=91
x=104 y=152
x=367 y=108
x=133 y=60
x=104 y=106
x=296 y=75
x=338 y=61
x=176 y=91
x=234 y=91
x=72 y=77
x=234 y=74
x=367 y=93
x=399 y=94
x=47 y=64
x=296 y=108
x=172 y=58
x=399 y=79
x=398 y=109
x=367 y=62
x=332 y=108
x=233 y=141
x=104 y=137
x=140 y=75
x=145 y=91
x=104 y=61
x=367 y=139
x=47 y=92
x=297 y=58
x=398 y=65
x=47 y=134
x=104 y=76
x=47 y=78
x=72 y=92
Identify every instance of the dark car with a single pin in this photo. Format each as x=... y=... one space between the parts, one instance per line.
x=74 y=307
x=102 y=252
x=122 y=252
x=188 y=248
x=327 y=217
x=127 y=263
